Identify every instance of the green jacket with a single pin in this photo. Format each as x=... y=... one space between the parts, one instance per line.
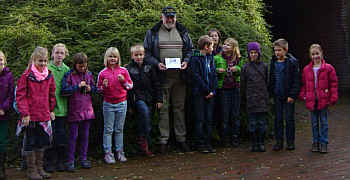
x=220 y=62
x=58 y=74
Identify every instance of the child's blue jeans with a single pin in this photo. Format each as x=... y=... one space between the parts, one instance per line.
x=144 y=118
x=114 y=118
x=319 y=121
x=284 y=111
x=203 y=109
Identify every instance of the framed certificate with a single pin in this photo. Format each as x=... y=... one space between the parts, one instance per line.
x=173 y=63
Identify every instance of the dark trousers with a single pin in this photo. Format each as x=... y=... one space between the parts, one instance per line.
x=57 y=150
x=3 y=135
x=229 y=100
x=203 y=109
x=78 y=130
x=257 y=122
x=284 y=112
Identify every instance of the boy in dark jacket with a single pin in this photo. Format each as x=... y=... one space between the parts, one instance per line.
x=145 y=93
x=284 y=86
x=203 y=90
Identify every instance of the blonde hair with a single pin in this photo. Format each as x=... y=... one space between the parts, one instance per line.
x=114 y=51
x=281 y=43
x=59 y=45
x=235 y=48
x=39 y=52
x=137 y=47
x=315 y=46
x=3 y=55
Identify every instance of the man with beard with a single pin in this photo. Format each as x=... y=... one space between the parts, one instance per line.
x=169 y=39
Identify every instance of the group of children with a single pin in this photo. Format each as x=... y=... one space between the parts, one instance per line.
x=50 y=95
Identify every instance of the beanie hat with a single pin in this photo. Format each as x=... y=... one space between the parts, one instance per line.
x=254 y=46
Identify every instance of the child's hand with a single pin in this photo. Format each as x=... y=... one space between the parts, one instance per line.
x=290 y=100
x=105 y=82
x=159 y=105
x=121 y=78
x=52 y=116
x=25 y=120
x=82 y=83
x=221 y=70
x=88 y=88
x=211 y=94
x=2 y=112
x=233 y=69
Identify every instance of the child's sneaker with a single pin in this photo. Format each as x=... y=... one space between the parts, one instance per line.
x=69 y=166
x=121 y=157
x=86 y=164
x=109 y=158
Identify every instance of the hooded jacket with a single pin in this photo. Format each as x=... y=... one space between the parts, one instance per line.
x=79 y=102
x=35 y=98
x=6 y=89
x=61 y=101
x=327 y=86
x=151 y=45
x=204 y=80
x=292 y=76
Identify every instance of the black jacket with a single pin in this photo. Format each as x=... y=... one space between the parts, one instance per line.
x=292 y=77
x=200 y=84
x=151 y=44
x=146 y=84
x=254 y=82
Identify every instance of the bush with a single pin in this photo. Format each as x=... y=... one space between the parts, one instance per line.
x=93 y=26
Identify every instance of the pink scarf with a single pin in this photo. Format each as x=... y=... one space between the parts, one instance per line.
x=40 y=75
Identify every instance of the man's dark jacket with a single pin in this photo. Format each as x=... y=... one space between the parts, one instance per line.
x=151 y=44
x=292 y=77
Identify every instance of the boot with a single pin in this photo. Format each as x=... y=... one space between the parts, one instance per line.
x=2 y=165
x=261 y=142
x=255 y=147
x=32 y=171
x=40 y=164
x=142 y=141
x=278 y=146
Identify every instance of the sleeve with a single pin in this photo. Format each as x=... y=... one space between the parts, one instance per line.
x=100 y=82
x=10 y=94
x=92 y=84
x=215 y=78
x=243 y=80
x=21 y=96
x=157 y=90
x=271 y=78
x=187 y=49
x=295 y=87
x=67 y=88
x=148 y=45
x=128 y=84
x=240 y=65
x=52 y=99
x=333 y=85
x=196 y=77
x=219 y=63
x=302 y=93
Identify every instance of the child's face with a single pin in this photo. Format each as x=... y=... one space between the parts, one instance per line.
x=254 y=55
x=316 y=54
x=227 y=47
x=112 y=60
x=215 y=37
x=280 y=53
x=81 y=68
x=2 y=62
x=209 y=49
x=40 y=63
x=59 y=54
x=138 y=56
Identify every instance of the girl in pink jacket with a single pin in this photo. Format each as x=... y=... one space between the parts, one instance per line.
x=319 y=90
x=114 y=82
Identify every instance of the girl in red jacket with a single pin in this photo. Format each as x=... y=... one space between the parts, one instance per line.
x=319 y=90
x=114 y=82
x=35 y=96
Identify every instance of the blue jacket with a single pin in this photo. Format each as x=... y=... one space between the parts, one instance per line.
x=203 y=81
x=292 y=77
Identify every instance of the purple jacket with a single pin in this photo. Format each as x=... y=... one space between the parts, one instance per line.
x=6 y=91
x=80 y=103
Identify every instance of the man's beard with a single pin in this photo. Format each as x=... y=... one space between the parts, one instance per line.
x=169 y=25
